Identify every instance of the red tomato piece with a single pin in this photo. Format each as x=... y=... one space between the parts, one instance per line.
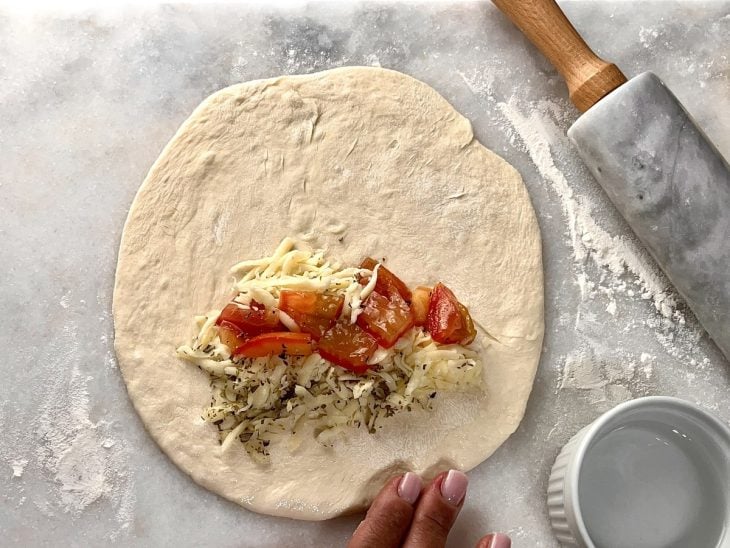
x=251 y=321
x=387 y=282
x=313 y=312
x=291 y=344
x=385 y=318
x=348 y=346
x=230 y=335
x=448 y=320
x=419 y=304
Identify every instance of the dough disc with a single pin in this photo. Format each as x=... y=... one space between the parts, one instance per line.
x=361 y=161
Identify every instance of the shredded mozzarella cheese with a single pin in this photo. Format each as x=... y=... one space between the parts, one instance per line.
x=259 y=400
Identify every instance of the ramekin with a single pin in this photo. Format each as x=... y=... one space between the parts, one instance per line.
x=563 y=494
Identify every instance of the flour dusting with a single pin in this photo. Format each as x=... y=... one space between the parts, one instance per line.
x=607 y=381
x=18 y=467
x=219 y=227
x=647 y=36
x=79 y=459
x=590 y=241
x=613 y=268
x=534 y=126
x=74 y=450
x=372 y=60
x=68 y=447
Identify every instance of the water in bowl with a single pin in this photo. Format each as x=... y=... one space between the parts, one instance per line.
x=649 y=485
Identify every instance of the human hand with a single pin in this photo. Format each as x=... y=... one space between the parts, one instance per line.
x=405 y=515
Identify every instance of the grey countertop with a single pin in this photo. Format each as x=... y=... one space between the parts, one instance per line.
x=89 y=97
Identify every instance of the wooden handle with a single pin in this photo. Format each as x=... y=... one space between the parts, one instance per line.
x=589 y=77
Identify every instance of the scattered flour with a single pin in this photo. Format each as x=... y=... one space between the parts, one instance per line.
x=647 y=36
x=535 y=127
x=83 y=466
x=238 y=68
x=68 y=448
x=372 y=60
x=18 y=467
x=219 y=227
x=606 y=265
x=604 y=381
x=590 y=241
x=647 y=364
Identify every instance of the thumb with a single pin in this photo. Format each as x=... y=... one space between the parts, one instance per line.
x=390 y=514
x=494 y=540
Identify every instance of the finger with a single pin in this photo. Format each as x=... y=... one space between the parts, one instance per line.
x=437 y=510
x=390 y=514
x=494 y=540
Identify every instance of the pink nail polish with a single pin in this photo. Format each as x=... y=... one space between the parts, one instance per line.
x=453 y=487
x=499 y=540
x=409 y=487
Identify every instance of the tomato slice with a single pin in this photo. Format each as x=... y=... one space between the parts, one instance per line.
x=448 y=320
x=251 y=321
x=385 y=318
x=387 y=282
x=348 y=346
x=230 y=335
x=313 y=312
x=419 y=304
x=291 y=344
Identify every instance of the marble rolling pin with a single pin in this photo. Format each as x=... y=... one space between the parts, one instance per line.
x=660 y=170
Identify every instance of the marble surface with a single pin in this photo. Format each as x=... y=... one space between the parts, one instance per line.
x=88 y=98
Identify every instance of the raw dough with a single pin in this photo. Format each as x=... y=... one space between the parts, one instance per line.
x=363 y=161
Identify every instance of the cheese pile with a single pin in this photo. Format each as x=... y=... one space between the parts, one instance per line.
x=261 y=400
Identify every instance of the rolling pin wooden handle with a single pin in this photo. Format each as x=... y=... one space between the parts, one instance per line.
x=589 y=77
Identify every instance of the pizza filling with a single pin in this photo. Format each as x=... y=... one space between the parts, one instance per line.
x=306 y=347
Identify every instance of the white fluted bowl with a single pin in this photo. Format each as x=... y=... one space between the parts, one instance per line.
x=650 y=473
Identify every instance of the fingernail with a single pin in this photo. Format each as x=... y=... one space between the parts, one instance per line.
x=453 y=488
x=499 y=540
x=409 y=487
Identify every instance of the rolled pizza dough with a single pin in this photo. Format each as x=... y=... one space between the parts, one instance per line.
x=360 y=161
